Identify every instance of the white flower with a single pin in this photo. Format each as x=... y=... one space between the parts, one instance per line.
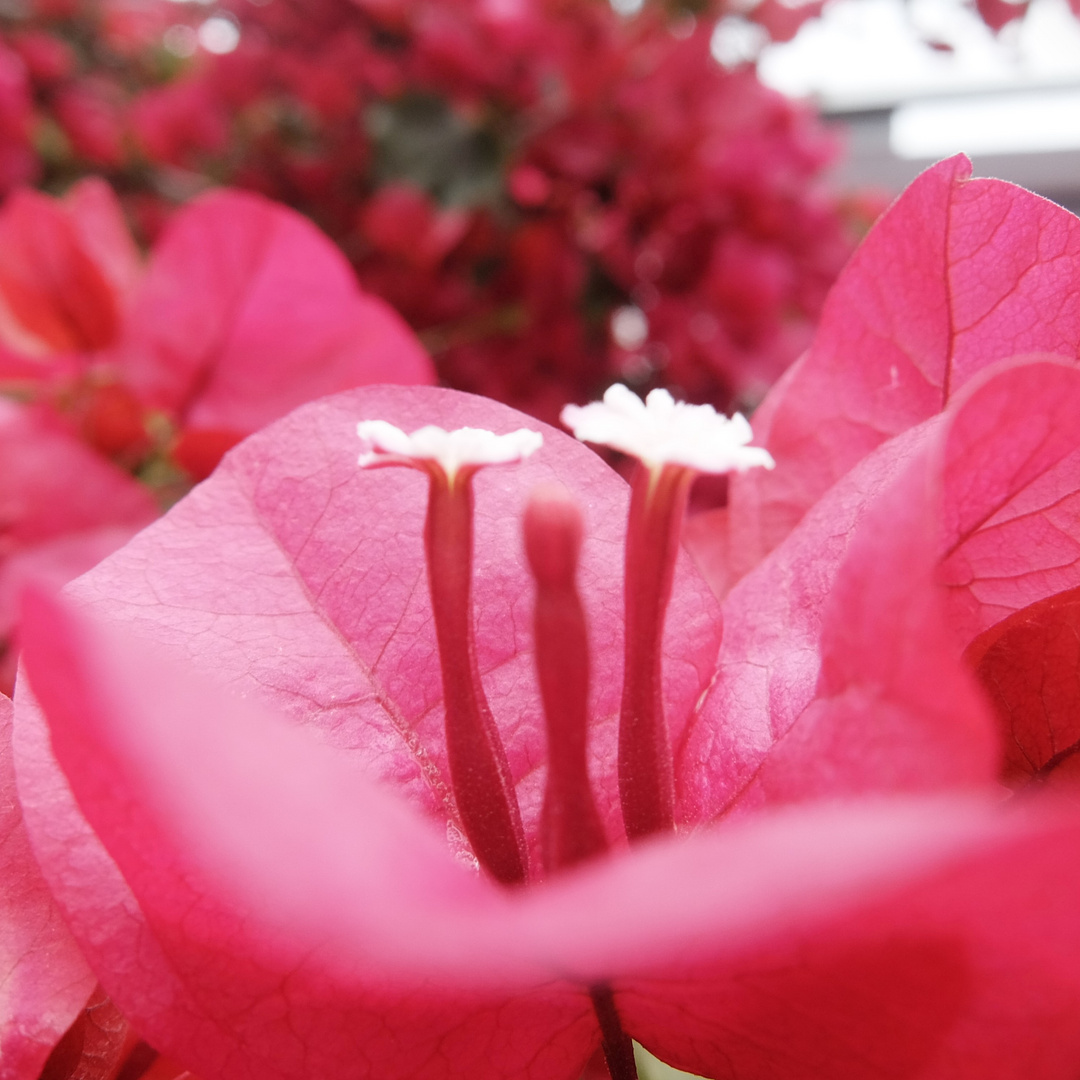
x=661 y=431
x=381 y=443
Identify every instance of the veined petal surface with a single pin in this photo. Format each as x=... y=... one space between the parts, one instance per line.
x=960 y=273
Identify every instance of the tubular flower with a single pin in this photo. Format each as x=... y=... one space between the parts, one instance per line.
x=662 y=432
x=475 y=755
x=235 y=763
x=673 y=442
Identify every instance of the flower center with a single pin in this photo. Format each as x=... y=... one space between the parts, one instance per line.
x=674 y=442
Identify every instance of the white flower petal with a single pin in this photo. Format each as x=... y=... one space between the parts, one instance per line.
x=661 y=431
x=382 y=443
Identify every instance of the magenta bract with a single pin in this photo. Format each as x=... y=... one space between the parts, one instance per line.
x=248 y=311
x=958 y=274
x=44 y=981
x=238 y=790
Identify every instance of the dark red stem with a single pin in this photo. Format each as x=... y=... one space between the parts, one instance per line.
x=617 y=1045
x=479 y=773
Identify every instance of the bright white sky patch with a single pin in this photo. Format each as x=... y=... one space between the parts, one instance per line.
x=1024 y=122
x=661 y=431
x=381 y=443
x=865 y=53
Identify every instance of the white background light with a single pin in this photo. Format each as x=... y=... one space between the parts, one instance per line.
x=864 y=53
x=736 y=41
x=629 y=327
x=219 y=35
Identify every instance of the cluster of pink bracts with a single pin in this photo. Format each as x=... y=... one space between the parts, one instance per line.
x=228 y=800
x=132 y=379
x=508 y=176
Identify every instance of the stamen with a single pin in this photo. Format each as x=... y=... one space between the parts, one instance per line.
x=479 y=772
x=674 y=443
x=570 y=826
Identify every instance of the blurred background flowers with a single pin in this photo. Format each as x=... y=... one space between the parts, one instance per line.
x=554 y=193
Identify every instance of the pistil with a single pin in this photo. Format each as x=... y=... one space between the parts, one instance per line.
x=479 y=772
x=570 y=826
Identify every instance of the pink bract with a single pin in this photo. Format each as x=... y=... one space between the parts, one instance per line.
x=44 y=981
x=244 y=312
x=958 y=274
x=67 y=269
x=859 y=614
x=267 y=901
x=248 y=311
x=63 y=508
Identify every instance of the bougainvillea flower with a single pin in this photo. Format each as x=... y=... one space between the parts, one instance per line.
x=247 y=931
x=244 y=311
x=247 y=311
x=67 y=270
x=293 y=895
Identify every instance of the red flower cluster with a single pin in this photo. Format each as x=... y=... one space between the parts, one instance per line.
x=126 y=381
x=78 y=71
x=554 y=195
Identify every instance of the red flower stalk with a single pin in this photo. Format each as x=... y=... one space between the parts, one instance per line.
x=674 y=444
